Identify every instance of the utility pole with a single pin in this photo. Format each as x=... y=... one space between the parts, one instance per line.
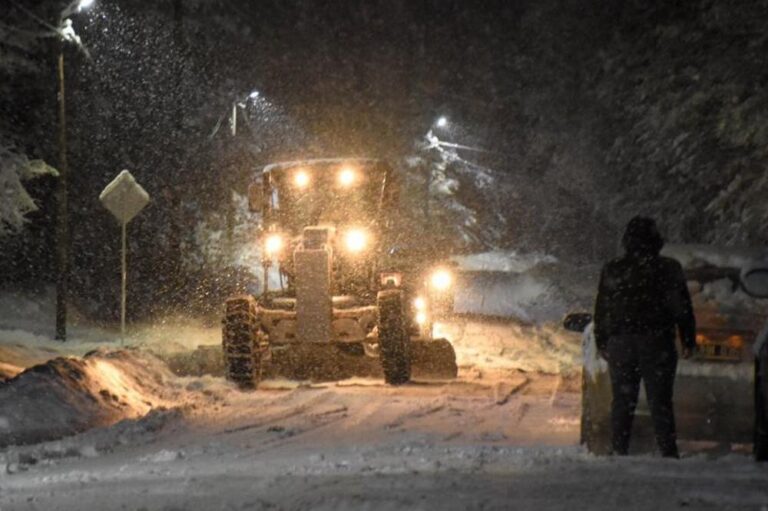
x=64 y=33
x=62 y=209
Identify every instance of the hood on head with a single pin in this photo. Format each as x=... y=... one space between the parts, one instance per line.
x=642 y=237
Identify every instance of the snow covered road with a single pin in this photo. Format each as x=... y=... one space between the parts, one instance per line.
x=361 y=445
x=503 y=436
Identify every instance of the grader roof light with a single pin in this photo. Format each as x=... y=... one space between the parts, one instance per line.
x=356 y=240
x=301 y=178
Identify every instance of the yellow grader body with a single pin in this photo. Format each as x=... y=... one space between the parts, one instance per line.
x=351 y=300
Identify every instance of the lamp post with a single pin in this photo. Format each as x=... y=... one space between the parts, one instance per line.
x=62 y=209
x=65 y=34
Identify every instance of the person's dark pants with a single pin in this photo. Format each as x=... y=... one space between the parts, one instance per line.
x=632 y=358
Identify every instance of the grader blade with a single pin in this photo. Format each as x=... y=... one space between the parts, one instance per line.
x=433 y=359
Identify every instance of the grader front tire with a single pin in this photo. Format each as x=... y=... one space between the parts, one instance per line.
x=394 y=341
x=243 y=353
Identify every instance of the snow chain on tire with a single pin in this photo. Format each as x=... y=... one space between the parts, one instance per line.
x=394 y=341
x=241 y=341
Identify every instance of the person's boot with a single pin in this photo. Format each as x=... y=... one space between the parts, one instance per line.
x=761 y=449
x=669 y=451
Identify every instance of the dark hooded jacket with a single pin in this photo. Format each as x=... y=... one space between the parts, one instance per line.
x=643 y=293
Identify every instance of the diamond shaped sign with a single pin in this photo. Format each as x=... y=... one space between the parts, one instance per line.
x=124 y=197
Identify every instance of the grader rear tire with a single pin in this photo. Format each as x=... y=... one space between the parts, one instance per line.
x=394 y=341
x=243 y=352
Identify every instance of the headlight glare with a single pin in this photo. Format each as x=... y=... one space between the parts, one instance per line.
x=441 y=279
x=356 y=240
x=273 y=244
x=301 y=178
x=347 y=177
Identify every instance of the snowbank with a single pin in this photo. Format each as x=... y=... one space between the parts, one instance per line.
x=538 y=288
x=27 y=319
x=68 y=395
x=503 y=344
x=508 y=261
x=541 y=294
x=692 y=255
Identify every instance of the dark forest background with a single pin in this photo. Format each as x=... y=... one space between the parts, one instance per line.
x=580 y=114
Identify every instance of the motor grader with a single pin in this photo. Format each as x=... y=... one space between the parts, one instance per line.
x=350 y=288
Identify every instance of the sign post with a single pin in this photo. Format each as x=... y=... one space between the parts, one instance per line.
x=124 y=198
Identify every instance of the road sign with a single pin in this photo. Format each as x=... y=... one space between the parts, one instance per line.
x=124 y=198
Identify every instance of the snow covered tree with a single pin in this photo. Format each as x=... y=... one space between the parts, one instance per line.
x=15 y=202
x=684 y=83
x=21 y=39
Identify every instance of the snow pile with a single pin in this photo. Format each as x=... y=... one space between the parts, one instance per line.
x=529 y=287
x=541 y=294
x=504 y=344
x=502 y=261
x=27 y=319
x=91 y=444
x=538 y=288
x=693 y=255
x=68 y=395
x=14 y=358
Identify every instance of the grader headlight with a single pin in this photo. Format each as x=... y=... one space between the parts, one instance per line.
x=356 y=240
x=301 y=179
x=347 y=177
x=420 y=309
x=441 y=279
x=273 y=245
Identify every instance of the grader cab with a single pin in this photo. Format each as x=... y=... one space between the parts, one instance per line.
x=341 y=295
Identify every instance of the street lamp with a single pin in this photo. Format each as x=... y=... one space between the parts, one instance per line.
x=65 y=34
x=242 y=103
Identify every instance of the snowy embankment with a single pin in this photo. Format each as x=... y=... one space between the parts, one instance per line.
x=509 y=307
x=487 y=346
x=67 y=395
x=27 y=319
x=529 y=288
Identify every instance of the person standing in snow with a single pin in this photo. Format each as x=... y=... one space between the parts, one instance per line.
x=642 y=301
